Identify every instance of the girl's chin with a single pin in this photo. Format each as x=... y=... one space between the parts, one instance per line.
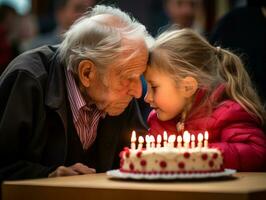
x=161 y=116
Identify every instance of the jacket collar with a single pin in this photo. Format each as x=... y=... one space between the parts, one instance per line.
x=55 y=88
x=56 y=98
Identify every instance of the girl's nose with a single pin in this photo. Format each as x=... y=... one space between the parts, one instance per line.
x=148 y=97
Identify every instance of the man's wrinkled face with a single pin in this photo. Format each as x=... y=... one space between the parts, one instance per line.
x=115 y=89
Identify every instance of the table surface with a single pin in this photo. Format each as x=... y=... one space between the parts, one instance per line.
x=99 y=186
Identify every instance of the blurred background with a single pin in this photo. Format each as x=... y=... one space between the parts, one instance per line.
x=239 y=25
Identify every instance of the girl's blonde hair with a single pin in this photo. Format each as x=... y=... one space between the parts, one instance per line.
x=183 y=53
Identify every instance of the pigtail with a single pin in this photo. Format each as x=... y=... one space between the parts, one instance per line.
x=180 y=126
x=238 y=84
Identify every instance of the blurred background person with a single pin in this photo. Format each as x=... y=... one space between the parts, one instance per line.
x=65 y=13
x=17 y=25
x=183 y=13
x=243 y=30
x=8 y=44
x=148 y=12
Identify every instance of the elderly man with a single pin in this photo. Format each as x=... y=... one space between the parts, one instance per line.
x=52 y=99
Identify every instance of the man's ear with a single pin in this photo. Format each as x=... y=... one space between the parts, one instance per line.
x=190 y=86
x=86 y=72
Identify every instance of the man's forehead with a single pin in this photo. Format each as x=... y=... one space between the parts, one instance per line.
x=132 y=57
x=134 y=70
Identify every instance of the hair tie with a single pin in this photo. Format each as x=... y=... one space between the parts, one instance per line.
x=218 y=50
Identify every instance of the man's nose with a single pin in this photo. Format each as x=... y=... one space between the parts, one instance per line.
x=135 y=89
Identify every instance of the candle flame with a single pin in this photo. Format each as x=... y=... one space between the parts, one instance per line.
x=171 y=138
x=152 y=139
x=165 y=135
x=186 y=137
x=141 y=139
x=192 y=137
x=133 y=136
x=147 y=138
x=159 y=138
x=206 y=135
x=200 y=137
x=179 y=138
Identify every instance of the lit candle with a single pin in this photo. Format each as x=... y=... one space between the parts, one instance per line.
x=206 y=137
x=171 y=141
x=186 y=139
x=159 y=140
x=141 y=141
x=133 y=140
x=200 y=139
x=147 y=139
x=179 y=141
x=152 y=140
x=165 y=139
x=192 y=141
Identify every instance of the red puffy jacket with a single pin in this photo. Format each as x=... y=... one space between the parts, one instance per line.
x=231 y=129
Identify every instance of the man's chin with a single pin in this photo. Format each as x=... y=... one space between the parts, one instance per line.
x=115 y=112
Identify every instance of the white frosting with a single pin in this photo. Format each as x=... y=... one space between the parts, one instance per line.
x=161 y=160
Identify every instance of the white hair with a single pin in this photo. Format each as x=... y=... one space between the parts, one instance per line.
x=100 y=41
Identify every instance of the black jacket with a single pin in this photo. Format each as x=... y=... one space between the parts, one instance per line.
x=35 y=120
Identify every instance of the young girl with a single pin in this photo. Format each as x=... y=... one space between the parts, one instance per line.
x=197 y=87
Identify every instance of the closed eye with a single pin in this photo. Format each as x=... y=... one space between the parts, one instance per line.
x=154 y=87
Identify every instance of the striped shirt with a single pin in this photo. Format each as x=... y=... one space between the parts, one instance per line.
x=85 y=118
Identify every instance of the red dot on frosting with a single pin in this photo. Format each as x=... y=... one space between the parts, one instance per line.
x=215 y=155
x=163 y=164
x=211 y=163
x=139 y=154
x=204 y=156
x=181 y=165
x=186 y=155
x=143 y=163
x=127 y=154
x=131 y=166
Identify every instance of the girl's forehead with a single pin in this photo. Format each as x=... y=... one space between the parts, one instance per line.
x=150 y=72
x=153 y=74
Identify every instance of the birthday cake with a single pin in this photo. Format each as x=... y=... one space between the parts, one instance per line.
x=170 y=158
